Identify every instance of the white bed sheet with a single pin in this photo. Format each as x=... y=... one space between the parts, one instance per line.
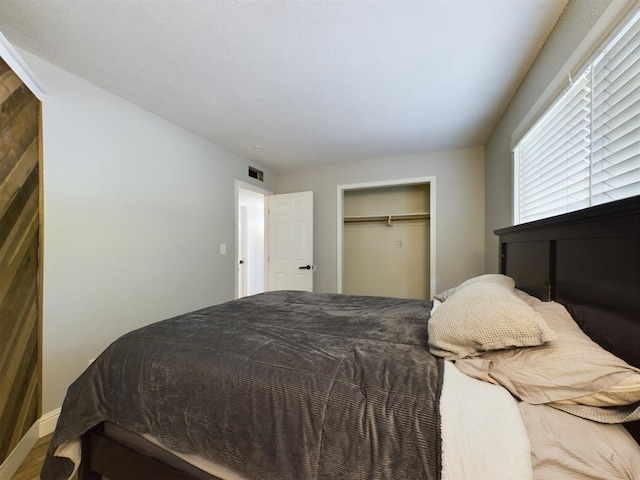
x=483 y=434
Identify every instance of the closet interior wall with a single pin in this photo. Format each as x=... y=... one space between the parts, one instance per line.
x=387 y=241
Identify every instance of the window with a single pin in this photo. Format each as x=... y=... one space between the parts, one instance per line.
x=585 y=150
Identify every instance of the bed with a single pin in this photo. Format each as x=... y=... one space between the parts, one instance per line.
x=348 y=388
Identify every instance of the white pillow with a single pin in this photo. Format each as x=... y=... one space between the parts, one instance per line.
x=496 y=278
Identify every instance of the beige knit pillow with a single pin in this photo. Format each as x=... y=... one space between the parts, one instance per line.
x=483 y=317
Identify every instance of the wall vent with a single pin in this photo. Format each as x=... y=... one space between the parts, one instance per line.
x=257 y=174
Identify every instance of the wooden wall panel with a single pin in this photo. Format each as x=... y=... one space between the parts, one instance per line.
x=19 y=259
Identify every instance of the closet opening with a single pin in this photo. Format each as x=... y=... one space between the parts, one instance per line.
x=386 y=238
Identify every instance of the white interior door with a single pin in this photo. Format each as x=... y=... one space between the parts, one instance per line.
x=291 y=241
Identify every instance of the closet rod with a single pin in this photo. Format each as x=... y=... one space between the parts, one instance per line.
x=387 y=218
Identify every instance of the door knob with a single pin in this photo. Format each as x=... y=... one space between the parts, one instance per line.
x=306 y=267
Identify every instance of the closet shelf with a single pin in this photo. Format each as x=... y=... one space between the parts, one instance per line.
x=388 y=219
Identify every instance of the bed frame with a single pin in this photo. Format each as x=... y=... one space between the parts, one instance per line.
x=116 y=458
x=587 y=260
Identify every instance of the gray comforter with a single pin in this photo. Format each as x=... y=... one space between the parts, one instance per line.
x=281 y=385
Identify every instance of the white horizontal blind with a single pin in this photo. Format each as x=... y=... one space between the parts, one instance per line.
x=553 y=159
x=616 y=120
x=586 y=149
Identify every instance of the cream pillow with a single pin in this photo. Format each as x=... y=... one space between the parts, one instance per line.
x=482 y=317
x=624 y=393
x=574 y=370
x=494 y=278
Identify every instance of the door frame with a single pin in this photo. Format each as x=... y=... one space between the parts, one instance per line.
x=239 y=184
x=431 y=180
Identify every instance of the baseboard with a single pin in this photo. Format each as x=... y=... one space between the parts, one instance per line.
x=44 y=426
x=20 y=452
x=48 y=422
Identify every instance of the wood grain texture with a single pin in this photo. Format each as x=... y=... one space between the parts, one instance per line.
x=20 y=220
x=30 y=468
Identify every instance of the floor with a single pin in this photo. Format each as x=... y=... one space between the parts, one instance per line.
x=30 y=468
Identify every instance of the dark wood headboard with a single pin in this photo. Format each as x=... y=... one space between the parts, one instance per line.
x=589 y=261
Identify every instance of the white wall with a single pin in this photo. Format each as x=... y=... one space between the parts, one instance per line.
x=459 y=208
x=255 y=247
x=254 y=255
x=134 y=211
x=574 y=24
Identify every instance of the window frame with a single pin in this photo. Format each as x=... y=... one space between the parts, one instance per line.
x=618 y=23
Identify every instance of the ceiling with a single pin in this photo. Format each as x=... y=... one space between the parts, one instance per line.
x=310 y=81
